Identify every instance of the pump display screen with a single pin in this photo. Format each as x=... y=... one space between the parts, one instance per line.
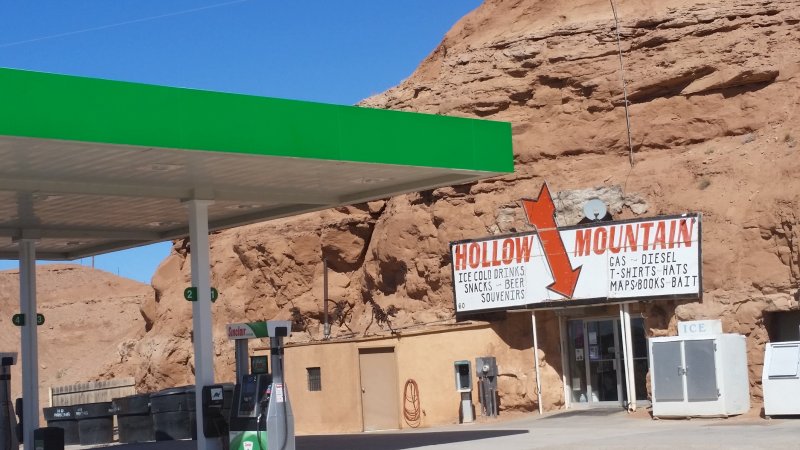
x=249 y=388
x=247 y=400
x=251 y=396
x=258 y=364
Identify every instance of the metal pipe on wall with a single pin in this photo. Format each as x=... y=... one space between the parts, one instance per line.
x=326 y=326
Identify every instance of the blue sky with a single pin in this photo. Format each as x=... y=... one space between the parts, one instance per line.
x=319 y=50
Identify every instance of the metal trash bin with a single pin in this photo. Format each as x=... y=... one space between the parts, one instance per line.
x=95 y=423
x=63 y=417
x=48 y=438
x=174 y=414
x=134 y=421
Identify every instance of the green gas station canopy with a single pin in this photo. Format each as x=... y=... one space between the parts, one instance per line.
x=89 y=166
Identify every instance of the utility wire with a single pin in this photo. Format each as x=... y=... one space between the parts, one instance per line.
x=624 y=85
x=120 y=24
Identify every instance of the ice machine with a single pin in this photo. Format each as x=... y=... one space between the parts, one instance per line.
x=699 y=374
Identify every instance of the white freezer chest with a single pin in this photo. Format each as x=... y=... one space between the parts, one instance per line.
x=696 y=376
x=781 y=378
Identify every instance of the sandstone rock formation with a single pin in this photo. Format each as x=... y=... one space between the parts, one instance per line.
x=714 y=97
x=91 y=317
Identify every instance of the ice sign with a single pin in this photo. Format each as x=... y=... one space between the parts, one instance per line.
x=699 y=328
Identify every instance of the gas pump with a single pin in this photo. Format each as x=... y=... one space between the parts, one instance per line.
x=8 y=420
x=261 y=415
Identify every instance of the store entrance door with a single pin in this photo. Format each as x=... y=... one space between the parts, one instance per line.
x=596 y=361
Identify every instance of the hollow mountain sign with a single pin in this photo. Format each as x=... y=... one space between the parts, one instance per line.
x=654 y=258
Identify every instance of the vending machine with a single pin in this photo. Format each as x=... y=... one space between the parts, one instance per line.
x=261 y=415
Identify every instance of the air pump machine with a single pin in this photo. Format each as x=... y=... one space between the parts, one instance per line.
x=8 y=421
x=261 y=415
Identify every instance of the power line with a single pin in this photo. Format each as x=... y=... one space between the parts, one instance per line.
x=120 y=24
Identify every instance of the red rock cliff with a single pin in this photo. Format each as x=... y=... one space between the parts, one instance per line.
x=713 y=90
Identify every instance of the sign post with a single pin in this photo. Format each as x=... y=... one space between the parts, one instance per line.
x=190 y=294
x=19 y=319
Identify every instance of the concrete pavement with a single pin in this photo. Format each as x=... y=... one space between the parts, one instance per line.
x=581 y=430
x=589 y=429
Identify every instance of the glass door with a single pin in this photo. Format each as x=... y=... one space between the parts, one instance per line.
x=595 y=361
x=602 y=338
x=576 y=355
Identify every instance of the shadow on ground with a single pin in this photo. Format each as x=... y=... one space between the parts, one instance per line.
x=367 y=441
x=396 y=441
x=590 y=412
x=162 y=445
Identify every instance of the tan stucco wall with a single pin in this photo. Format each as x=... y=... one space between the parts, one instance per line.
x=426 y=358
x=335 y=409
x=429 y=359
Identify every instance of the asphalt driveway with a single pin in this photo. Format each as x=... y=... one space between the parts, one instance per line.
x=590 y=429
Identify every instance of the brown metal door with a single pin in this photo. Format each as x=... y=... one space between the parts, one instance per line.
x=379 y=404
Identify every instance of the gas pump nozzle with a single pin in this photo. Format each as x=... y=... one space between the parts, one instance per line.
x=263 y=404
x=263 y=407
x=267 y=395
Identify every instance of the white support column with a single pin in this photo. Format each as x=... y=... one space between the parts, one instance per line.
x=562 y=333
x=536 y=361
x=30 y=346
x=623 y=325
x=201 y=313
x=629 y=366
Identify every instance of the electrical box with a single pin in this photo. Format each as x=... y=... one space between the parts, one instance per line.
x=463 y=372
x=781 y=378
x=486 y=366
x=699 y=375
x=486 y=371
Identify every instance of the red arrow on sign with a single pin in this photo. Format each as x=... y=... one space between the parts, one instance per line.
x=542 y=215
